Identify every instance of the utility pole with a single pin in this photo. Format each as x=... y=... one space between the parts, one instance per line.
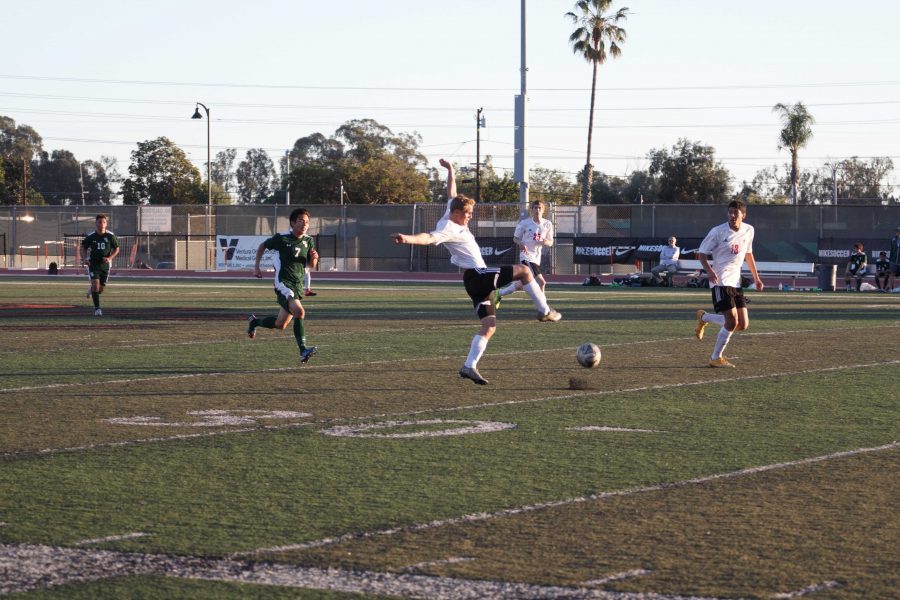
x=521 y=138
x=479 y=123
x=81 y=171
x=287 y=176
x=24 y=183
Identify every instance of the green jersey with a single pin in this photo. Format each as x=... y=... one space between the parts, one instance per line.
x=882 y=265
x=857 y=262
x=291 y=258
x=97 y=247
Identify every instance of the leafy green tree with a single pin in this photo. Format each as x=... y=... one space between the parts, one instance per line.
x=595 y=29
x=859 y=181
x=160 y=173
x=689 y=174
x=222 y=170
x=316 y=148
x=315 y=183
x=795 y=134
x=386 y=179
x=256 y=177
x=58 y=177
x=18 y=146
x=549 y=185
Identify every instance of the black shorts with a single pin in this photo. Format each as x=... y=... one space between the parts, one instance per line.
x=100 y=272
x=480 y=283
x=725 y=298
x=535 y=268
x=895 y=269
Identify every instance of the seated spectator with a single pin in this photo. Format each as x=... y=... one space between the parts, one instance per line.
x=668 y=261
x=882 y=271
x=53 y=269
x=856 y=267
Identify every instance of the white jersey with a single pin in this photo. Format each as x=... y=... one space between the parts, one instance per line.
x=532 y=235
x=459 y=241
x=728 y=249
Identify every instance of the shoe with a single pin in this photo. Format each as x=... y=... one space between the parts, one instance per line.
x=721 y=362
x=497 y=299
x=98 y=312
x=473 y=374
x=251 y=328
x=307 y=354
x=309 y=293
x=551 y=315
x=701 y=325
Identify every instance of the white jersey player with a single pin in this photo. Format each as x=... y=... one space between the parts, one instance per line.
x=532 y=235
x=480 y=281
x=729 y=244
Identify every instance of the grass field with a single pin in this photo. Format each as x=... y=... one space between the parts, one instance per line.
x=157 y=452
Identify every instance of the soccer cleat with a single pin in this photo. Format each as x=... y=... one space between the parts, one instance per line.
x=497 y=299
x=473 y=374
x=251 y=328
x=551 y=315
x=309 y=293
x=721 y=362
x=98 y=312
x=307 y=354
x=701 y=324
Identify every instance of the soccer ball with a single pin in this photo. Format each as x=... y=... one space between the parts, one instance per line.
x=588 y=355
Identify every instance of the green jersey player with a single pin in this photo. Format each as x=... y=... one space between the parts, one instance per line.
x=100 y=248
x=295 y=252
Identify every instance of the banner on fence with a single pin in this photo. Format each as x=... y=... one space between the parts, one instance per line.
x=836 y=251
x=239 y=252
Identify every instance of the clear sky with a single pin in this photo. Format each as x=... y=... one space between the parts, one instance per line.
x=96 y=77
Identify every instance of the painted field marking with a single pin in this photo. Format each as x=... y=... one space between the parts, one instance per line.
x=400 y=361
x=454 y=560
x=484 y=516
x=28 y=567
x=440 y=410
x=810 y=589
x=111 y=538
x=614 y=429
x=367 y=430
x=616 y=577
x=212 y=418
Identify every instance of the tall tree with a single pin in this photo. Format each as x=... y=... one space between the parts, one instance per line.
x=223 y=168
x=256 y=177
x=160 y=173
x=595 y=30
x=795 y=134
x=549 y=185
x=18 y=146
x=689 y=174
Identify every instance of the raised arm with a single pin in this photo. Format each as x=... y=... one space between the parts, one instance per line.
x=451 y=179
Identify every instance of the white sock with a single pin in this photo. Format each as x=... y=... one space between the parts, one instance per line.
x=307 y=280
x=713 y=318
x=540 y=301
x=511 y=288
x=721 y=342
x=479 y=344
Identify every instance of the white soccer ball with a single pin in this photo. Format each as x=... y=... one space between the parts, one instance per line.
x=588 y=355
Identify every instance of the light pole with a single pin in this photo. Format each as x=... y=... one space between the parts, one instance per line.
x=197 y=115
x=479 y=123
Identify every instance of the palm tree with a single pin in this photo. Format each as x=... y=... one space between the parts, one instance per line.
x=595 y=29
x=796 y=133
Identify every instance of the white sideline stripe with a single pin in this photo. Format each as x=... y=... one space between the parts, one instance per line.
x=436 y=410
x=614 y=429
x=616 y=577
x=28 y=567
x=437 y=563
x=483 y=516
x=810 y=589
x=111 y=538
x=396 y=361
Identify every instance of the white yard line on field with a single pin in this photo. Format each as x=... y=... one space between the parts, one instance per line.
x=616 y=577
x=453 y=560
x=484 y=516
x=810 y=589
x=413 y=413
x=28 y=567
x=111 y=538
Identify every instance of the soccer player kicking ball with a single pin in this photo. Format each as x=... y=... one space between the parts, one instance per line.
x=453 y=232
x=296 y=252
x=730 y=244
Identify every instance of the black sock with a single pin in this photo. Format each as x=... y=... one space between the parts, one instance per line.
x=95 y=296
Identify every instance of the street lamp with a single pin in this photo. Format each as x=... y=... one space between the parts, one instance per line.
x=197 y=115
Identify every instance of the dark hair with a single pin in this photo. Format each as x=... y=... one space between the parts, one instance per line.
x=738 y=205
x=297 y=213
x=101 y=216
